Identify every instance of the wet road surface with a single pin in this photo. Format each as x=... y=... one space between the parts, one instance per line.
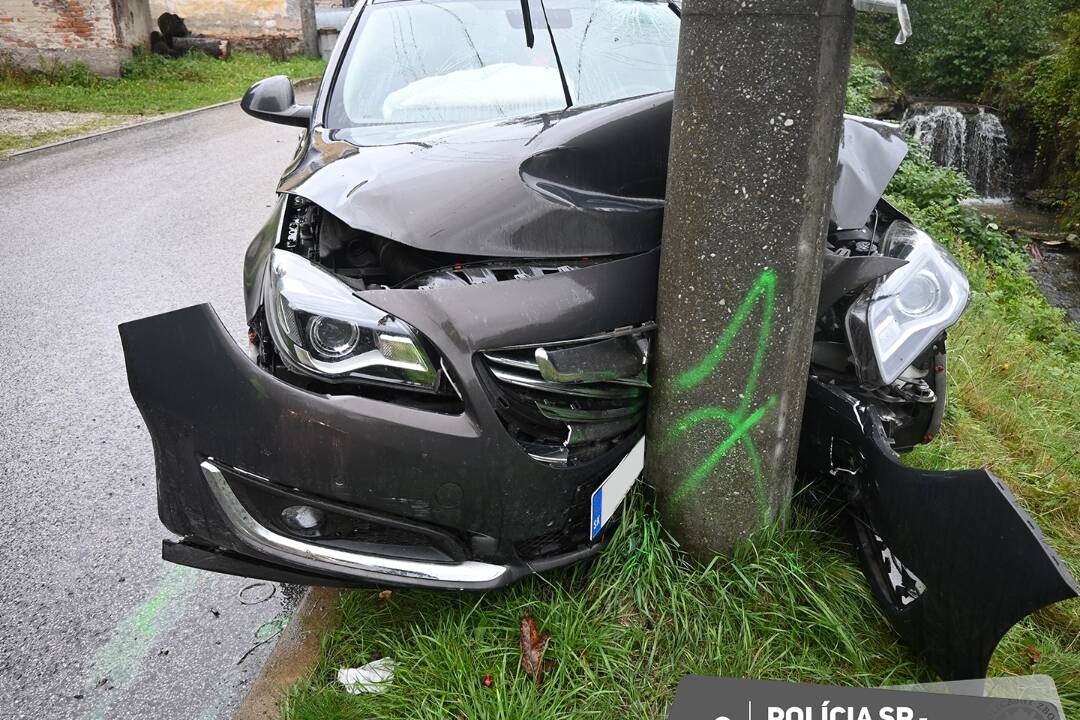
x=93 y=624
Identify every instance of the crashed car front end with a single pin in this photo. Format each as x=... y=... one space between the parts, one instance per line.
x=446 y=382
x=471 y=488
x=449 y=345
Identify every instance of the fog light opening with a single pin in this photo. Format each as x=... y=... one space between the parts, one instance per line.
x=303 y=520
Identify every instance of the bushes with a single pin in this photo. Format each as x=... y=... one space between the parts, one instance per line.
x=936 y=190
x=1047 y=91
x=958 y=47
x=922 y=181
x=1020 y=55
x=863 y=80
x=54 y=73
x=994 y=262
x=193 y=67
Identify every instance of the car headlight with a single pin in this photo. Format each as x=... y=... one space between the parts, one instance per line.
x=320 y=327
x=895 y=319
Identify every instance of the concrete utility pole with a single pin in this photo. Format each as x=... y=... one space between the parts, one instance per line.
x=309 y=27
x=757 y=120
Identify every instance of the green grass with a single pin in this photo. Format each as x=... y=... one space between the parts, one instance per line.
x=790 y=605
x=150 y=84
x=624 y=630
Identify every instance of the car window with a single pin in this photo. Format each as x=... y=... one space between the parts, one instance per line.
x=416 y=61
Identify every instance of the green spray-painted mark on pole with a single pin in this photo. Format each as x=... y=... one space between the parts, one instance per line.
x=742 y=419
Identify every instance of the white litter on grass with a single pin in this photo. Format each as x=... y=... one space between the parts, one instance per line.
x=370 y=678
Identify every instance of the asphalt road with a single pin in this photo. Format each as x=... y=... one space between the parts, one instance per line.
x=93 y=624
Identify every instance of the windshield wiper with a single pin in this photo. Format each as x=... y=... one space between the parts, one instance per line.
x=558 y=60
x=526 y=19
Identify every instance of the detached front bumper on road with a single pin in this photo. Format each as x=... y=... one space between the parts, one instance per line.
x=405 y=495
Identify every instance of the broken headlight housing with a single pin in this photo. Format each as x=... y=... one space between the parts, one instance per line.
x=321 y=328
x=896 y=318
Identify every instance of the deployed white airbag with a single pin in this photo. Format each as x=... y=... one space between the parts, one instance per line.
x=499 y=90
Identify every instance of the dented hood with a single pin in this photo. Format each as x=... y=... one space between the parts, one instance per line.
x=582 y=182
x=870 y=154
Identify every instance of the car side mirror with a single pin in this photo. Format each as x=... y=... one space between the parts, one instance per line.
x=274 y=100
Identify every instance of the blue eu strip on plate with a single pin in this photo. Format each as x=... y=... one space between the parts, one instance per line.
x=607 y=498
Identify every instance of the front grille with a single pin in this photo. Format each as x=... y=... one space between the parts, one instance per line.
x=547 y=544
x=570 y=402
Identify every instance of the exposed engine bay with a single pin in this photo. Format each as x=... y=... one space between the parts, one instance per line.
x=368 y=261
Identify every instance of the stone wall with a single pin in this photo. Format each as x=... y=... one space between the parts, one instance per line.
x=235 y=19
x=98 y=33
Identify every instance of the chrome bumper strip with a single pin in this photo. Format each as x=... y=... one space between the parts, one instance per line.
x=464 y=573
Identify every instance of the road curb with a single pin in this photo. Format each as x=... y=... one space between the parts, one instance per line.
x=44 y=149
x=293 y=656
x=168 y=117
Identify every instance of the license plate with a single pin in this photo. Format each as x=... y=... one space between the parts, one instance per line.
x=607 y=498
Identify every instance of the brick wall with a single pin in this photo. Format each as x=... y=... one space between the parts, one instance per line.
x=99 y=33
x=234 y=18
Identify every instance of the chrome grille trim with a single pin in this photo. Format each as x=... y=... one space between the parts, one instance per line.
x=644 y=328
x=584 y=433
x=599 y=390
x=583 y=409
x=511 y=362
x=558 y=412
x=641 y=380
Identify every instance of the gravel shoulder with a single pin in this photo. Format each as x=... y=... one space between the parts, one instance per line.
x=24 y=129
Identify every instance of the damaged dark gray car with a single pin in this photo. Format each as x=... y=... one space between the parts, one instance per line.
x=451 y=309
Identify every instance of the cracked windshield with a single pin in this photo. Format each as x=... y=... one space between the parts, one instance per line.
x=456 y=62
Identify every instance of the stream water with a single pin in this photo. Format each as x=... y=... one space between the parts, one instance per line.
x=972 y=139
x=1055 y=264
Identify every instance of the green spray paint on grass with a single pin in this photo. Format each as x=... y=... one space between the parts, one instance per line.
x=742 y=419
x=120 y=657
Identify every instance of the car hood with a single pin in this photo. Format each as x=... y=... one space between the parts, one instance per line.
x=576 y=183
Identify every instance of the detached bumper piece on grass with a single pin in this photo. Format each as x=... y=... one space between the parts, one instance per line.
x=450 y=313
x=950 y=556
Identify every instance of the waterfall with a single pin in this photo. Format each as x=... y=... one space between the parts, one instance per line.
x=988 y=156
x=970 y=139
